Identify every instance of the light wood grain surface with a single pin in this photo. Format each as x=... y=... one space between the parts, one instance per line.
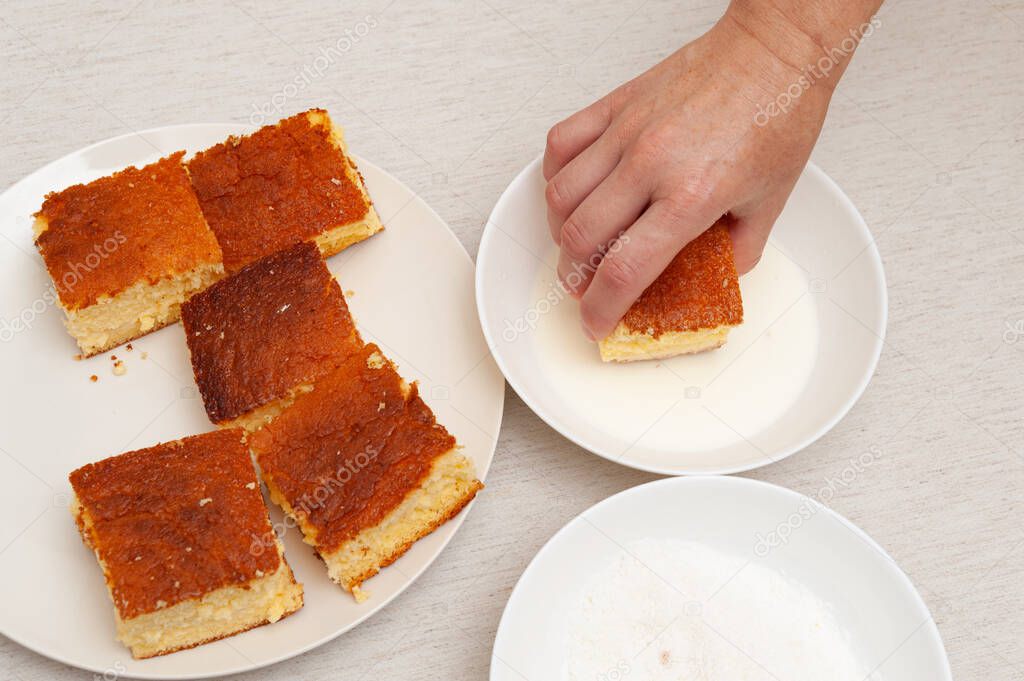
x=926 y=135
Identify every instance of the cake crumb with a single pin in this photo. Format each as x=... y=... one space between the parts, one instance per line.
x=128 y=347
x=78 y=358
x=664 y=658
x=349 y=293
x=113 y=358
x=204 y=501
x=144 y=354
x=94 y=378
x=359 y=594
x=119 y=368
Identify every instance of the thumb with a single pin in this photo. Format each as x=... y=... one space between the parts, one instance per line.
x=750 y=227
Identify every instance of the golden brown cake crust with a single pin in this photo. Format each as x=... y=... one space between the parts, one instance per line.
x=698 y=290
x=346 y=454
x=139 y=224
x=175 y=521
x=282 y=184
x=276 y=324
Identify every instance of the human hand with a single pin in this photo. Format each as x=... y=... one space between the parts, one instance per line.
x=638 y=174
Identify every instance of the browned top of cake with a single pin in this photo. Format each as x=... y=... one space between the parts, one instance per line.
x=139 y=224
x=347 y=453
x=698 y=290
x=176 y=521
x=275 y=324
x=282 y=184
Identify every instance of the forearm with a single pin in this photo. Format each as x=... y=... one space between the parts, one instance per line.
x=816 y=35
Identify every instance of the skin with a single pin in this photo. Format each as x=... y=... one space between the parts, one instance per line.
x=722 y=127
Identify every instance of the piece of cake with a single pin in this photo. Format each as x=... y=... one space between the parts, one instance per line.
x=125 y=251
x=363 y=467
x=185 y=543
x=263 y=334
x=690 y=308
x=289 y=182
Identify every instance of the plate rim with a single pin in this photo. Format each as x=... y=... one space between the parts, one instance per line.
x=457 y=521
x=871 y=250
x=727 y=480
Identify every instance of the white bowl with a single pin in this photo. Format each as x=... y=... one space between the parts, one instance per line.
x=815 y=315
x=887 y=625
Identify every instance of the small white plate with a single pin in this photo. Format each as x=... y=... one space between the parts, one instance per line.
x=886 y=624
x=412 y=294
x=815 y=315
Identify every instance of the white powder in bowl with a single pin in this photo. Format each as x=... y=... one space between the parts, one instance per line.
x=676 y=610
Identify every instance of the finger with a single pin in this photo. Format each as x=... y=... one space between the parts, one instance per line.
x=567 y=190
x=577 y=132
x=645 y=251
x=750 y=229
x=603 y=217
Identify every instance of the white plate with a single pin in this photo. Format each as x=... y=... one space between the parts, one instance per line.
x=887 y=624
x=413 y=295
x=815 y=313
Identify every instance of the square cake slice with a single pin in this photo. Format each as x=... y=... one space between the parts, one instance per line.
x=363 y=467
x=185 y=543
x=263 y=334
x=289 y=182
x=125 y=251
x=690 y=308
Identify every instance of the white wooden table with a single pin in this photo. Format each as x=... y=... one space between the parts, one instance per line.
x=926 y=135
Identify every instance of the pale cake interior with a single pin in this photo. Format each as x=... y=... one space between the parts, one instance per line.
x=450 y=485
x=220 y=613
x=340 y=237
x=135 y=311
x=623 y=345
x=252 y=421
x=214 y=615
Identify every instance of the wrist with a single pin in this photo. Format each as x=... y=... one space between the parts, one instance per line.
x=816 y=39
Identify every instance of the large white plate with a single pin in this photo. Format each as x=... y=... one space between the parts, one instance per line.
x=815 y=314
x=887 y=624
x=413 y=295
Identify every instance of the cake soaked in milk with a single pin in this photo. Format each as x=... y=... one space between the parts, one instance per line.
x=363 y=466
x=125 y=251
x=174 y=528
x=690 y=307
x=285 y=183
x=263 y=334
